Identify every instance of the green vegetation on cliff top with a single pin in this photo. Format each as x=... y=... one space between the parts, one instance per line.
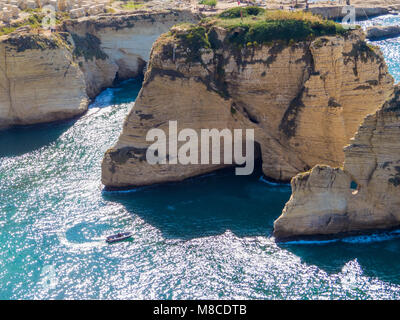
x=254 y=25
x=240 y=11
x=210 y=3
x=132 y=5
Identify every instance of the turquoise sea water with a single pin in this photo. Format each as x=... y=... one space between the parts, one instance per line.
x=208 y=237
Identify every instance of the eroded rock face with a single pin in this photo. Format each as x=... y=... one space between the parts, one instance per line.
x=304 y=100
x=45 y=78
x=323 y=202
x=118 y=46
x=39 y=81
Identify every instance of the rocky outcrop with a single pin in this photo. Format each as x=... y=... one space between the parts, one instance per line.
x=375 y=33
x=47 y=77
x=305 y=100
x=361 y=196
x=39 y=81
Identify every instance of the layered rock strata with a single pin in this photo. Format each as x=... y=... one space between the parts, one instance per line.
x=39 y=81
x=361 y=196
x=305 y=101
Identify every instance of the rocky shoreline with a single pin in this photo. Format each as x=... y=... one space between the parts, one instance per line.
x=325 y=203
x=377 y=33
x=333 y=83
x=219 y=80
x=93 y=52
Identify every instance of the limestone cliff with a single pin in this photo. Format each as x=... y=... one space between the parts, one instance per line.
x=325 y=203
x=39 y=81
x=304 y=99
x=46 y=77
x=117 y=46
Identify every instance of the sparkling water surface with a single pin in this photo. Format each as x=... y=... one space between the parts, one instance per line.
x=208 y=237
x=390 y=47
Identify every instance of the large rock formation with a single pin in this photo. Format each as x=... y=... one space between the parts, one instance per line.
x=379 y=32
x=305 y=101
x=361 y=196
x=39 y=81
x=47 y=77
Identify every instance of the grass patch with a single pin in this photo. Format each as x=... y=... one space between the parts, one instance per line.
x=257 y=27
x=61 y=16
x=236 y=12
x=7 y=30
x=132 y=5
x=34 y=21
x=34 y=42
x=263 y=26
x=210 y=3
x=194 y=38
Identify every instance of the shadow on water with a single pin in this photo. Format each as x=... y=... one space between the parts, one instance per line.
x=122 y=92
x=208 y=205
x=17 y=141
x=20 y=140
x=377 y=255
x=212 y=204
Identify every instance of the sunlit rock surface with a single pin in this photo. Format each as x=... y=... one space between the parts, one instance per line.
x=304 y=100
x=362 y=196
x=39 y=81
